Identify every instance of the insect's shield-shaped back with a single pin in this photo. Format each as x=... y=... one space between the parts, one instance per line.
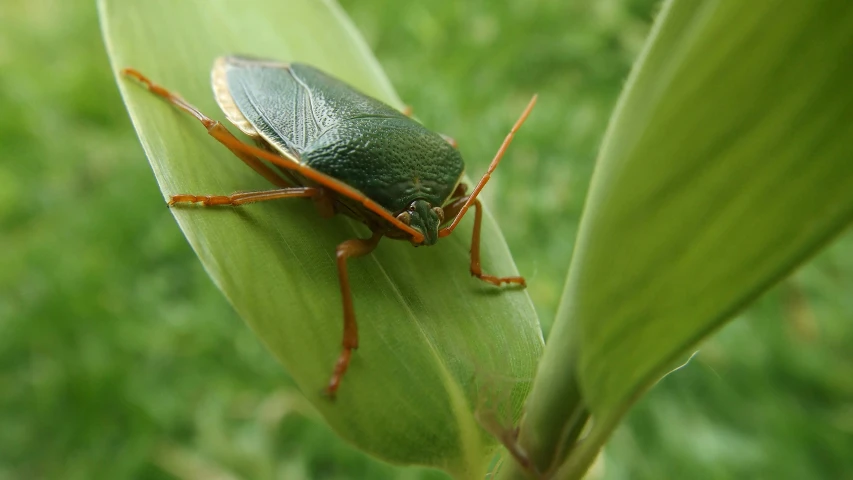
x=436 y=346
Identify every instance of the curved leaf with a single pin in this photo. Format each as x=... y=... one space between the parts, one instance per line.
x=435 y=343
x=728 y=162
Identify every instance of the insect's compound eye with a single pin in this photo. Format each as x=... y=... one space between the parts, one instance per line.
x=440 y=212
x=405 y=217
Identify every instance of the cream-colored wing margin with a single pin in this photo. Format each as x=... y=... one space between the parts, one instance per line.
x=219 y=80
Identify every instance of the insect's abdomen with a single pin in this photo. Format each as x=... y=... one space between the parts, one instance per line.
x=393 y=161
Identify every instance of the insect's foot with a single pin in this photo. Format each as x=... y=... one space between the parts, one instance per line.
x=514 y=448
x=206 y=200
x=340 y=369
x=330 y=393
x=187 y=199
x=498 y=281
x=136 y=75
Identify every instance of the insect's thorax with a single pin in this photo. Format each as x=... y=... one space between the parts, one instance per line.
x=393 y=161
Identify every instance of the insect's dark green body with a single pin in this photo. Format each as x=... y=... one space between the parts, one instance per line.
x=349 y=153
x=327 y=125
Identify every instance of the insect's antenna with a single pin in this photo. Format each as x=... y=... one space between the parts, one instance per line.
x=482 y=183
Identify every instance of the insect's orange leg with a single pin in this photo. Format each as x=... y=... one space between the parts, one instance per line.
x=482 y=183
x=476 y=269
x=475 y=254
x=214 y=128
x=349 y=249
x=245 y=197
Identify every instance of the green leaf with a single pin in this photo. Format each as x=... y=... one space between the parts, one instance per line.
x=729 y=161
x=435 y=344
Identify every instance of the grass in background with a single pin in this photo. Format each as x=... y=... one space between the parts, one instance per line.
x=120 y=359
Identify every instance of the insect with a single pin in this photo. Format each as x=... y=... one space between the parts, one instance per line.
x=350 y=153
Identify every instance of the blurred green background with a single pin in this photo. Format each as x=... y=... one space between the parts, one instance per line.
x=120 y=359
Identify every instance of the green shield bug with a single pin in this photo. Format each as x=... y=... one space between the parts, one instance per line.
x=319 y=138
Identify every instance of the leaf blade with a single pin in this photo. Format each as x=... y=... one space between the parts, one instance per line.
x=725 y=165
x=773 y=168
x=429 y=332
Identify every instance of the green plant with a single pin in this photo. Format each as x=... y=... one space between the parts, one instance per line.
x=726 y=165
x=274 y=261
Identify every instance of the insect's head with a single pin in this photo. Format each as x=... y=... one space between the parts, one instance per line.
x=424 y=218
